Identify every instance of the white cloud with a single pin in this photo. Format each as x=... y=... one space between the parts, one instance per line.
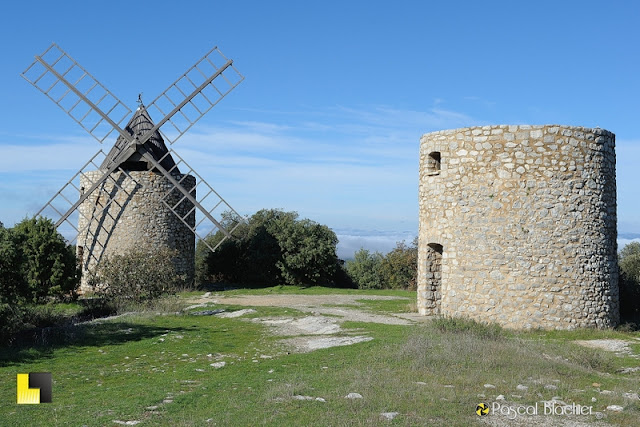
x=345 y=167
x=57 y=156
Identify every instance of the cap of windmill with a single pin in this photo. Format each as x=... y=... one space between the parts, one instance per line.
x=139 y=125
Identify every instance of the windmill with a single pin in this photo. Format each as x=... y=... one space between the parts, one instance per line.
x=141 y=192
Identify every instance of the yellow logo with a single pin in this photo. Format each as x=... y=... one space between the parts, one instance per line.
x=34 y=388
x=482 y=409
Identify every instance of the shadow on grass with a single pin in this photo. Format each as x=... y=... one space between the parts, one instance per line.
x=41 y=343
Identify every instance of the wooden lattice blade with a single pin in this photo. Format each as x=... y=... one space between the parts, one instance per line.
x=190 y=97
x=77 y=92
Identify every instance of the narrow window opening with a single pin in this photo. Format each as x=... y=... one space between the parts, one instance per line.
x=434 y=275
x=80 y=254
x=433 y=163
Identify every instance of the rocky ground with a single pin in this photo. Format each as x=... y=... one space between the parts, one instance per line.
x=322 y=328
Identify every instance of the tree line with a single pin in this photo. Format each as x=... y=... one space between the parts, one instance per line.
x=277 y=247
x=271 y=247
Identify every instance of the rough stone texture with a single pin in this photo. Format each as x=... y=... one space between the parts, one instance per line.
x=135 y=218
x=526 y=217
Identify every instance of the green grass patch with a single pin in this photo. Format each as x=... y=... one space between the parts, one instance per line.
x=432 y=373
x=404 y=304
x=313 y=290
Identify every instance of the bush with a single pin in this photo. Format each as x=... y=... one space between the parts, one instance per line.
x=399 y=267
x=396 y=270
x=629 y=262
x=11 y=281
x=11 y=321
x=272 y=247
x=137 y=276
x=36 y=263
x=365 y=269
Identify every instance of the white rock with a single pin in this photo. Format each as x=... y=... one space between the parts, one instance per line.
x=389 y=415
x=500 y=397
x=615 y=408
x=320 y=399
x=353 y=396
x=521 y=387
x=489 y=386
x=218 y=365
x=300 y=397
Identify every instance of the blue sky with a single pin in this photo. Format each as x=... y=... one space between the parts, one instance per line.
x=335 y=98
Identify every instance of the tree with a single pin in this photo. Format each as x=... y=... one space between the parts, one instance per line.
x=629 y=263
x=272 y=247
x=308 y=252
x=36 y=258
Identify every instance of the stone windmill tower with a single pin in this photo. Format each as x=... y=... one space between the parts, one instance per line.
x=518 y=226
x=140 y=193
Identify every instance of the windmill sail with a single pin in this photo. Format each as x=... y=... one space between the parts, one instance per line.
x=139 y=179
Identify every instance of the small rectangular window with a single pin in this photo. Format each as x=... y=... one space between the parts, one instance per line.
x=433 y=163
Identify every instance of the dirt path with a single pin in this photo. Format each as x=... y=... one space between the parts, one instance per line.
x=317 y=305
x=322 y=328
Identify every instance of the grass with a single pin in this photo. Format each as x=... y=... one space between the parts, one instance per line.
x=400 y=305
x=432 y=373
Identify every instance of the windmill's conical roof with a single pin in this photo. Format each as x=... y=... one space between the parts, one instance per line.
x=139 y=125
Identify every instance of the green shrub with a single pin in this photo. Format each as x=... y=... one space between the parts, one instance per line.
x=629 y=283
x=36 y=262
x=12 y=283
x=365 y=269
x=396 y=270
x=399 y=267
x=138 y=276
x=11 y=321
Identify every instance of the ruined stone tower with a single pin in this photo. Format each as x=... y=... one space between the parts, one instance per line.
x=127 y=211
x=518 y=226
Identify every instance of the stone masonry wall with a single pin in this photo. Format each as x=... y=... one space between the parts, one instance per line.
x=135 y=218
x=526 y=216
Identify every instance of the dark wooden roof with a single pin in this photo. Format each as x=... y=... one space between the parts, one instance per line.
x=139 y=125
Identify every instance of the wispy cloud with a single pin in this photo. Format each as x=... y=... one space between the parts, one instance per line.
x=347 y=167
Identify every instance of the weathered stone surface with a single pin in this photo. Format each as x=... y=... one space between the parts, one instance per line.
x=519 y=229
x=135 y=218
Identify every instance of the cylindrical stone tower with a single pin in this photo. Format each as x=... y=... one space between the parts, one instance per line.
x=137 y=206
x=518 y=226
x=135 y=218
